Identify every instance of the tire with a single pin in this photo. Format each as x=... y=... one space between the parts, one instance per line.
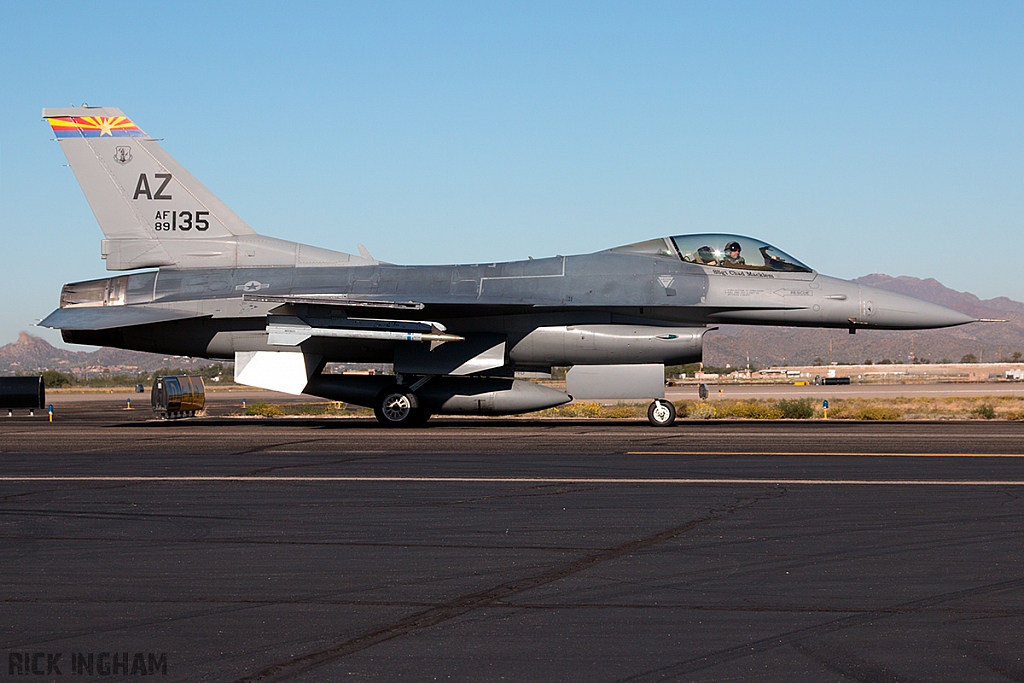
x=661 y=413
x=396 y=406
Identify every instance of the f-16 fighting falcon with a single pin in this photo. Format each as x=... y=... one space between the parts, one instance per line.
x=205 y=284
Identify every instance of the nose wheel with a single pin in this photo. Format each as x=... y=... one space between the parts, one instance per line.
x=397 y=406
x=661 y=413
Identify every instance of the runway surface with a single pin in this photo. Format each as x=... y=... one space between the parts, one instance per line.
x=516 y=550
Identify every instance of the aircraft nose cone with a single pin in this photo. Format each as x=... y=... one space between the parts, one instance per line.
x=880 y=308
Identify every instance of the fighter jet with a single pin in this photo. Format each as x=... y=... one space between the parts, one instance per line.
x=207 y=285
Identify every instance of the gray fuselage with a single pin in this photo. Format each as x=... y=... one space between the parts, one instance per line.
x=523 y=301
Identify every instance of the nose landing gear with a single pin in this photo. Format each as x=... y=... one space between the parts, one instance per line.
x=661 y=413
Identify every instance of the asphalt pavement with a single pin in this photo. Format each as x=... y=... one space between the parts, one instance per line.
x=304 y=549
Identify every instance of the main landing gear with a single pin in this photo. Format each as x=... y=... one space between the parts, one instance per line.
x=661 y=413
x=397 y=406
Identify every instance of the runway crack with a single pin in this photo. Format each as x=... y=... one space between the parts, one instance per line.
x=482 y=599
x=303 y=465
x=267 y=447
x=797 y=636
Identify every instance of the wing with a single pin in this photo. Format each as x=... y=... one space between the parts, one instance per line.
x=108 y=317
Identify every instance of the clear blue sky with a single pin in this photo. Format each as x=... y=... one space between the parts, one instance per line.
x=859 y=137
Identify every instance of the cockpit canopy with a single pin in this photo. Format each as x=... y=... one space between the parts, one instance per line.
x=720 y=250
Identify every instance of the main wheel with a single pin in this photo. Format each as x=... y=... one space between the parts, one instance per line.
x=661 y=413
x=396 y=406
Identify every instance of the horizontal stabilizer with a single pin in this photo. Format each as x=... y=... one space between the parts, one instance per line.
x=108 y=317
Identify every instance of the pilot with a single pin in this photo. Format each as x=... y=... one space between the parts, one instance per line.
x=773 y=262
x=732 y=255
x=706 y=256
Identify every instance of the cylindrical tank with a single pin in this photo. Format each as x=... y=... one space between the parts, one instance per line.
x=608 y=345
x=445 y=395
x=178 y=395
x=22 y=392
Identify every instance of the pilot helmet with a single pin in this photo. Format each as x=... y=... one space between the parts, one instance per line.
x=706 y=254
x=732 y=246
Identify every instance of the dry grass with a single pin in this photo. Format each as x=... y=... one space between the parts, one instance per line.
x=263 y=409
x=332 y=409
x=754 y=409
x=585 y=409
x=699 y=411
x=951 y=408
x=927 y=408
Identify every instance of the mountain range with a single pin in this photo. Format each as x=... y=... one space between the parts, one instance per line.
x=32 y=354
x=767 y=346
x=730 y=345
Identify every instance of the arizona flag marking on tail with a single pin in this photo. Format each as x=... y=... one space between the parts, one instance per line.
x=95 y=127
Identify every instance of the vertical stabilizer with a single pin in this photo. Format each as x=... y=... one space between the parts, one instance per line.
x=155 y=213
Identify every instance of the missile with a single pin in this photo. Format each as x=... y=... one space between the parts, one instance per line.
x=292 y=331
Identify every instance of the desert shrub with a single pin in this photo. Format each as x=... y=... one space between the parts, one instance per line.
x=53 y=379
x=702 y=411
x=797 y=409
x=625 y=410
x=984 y=411
x=333 y=408
x=754 y=410
x=683 y=407
x=262 y=409
x=839 y=411
x=590 y=409
x=1015 y=415
x=578 y=410
x=877 y=413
